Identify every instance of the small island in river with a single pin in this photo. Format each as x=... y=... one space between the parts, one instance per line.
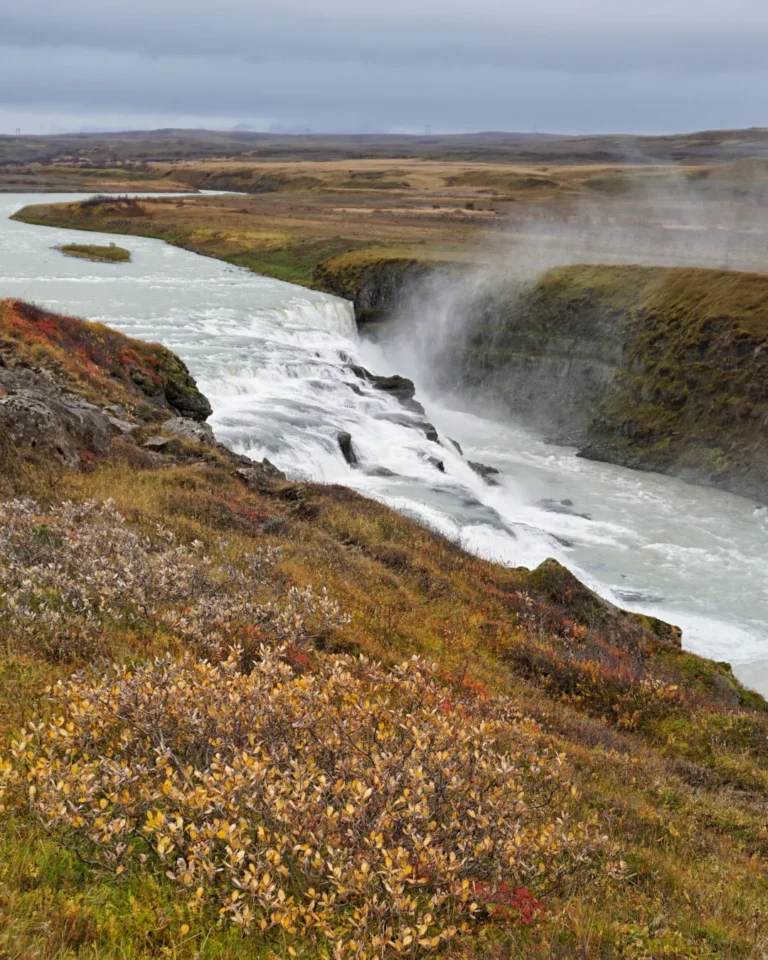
x=110 y=254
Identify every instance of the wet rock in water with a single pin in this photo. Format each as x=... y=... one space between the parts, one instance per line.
x=380 y=472
x=437 y=464
x=431 y=433
x=484 y=471
x=401 y=388
x=456 y=444
x=347 y=450
x=561 y=506
x=401 y=419
x=190 y=430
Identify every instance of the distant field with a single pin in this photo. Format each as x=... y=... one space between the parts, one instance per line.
x=288 y=220
x=295 y=204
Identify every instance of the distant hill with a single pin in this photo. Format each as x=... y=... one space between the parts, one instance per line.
x=172 y=144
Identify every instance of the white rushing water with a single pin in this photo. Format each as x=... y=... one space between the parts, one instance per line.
x=274 y=360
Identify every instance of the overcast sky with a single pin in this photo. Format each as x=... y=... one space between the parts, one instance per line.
x=563 y=66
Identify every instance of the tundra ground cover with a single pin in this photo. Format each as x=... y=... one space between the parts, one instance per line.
x=123 y=589
x=676 y=796
x=372 y=811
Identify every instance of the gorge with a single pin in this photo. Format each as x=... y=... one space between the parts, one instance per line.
x=277 y=364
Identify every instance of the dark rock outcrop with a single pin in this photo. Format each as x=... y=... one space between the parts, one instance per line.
x=182 y=395
x=400 y=388
x=377 y=288
x=484 y=471
x=347 y=450
x=190 y=430
x=44 y=419
x=258 y=475
x=54 y=366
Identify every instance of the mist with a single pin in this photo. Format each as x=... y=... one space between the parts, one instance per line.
x=673 y=219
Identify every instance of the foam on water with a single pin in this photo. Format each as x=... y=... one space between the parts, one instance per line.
x=275 y=360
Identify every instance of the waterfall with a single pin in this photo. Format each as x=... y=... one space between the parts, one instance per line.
x=277 y=363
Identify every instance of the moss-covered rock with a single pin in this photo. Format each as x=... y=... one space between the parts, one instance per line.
x=99 y=364
x=378 y=281
x=556 y=584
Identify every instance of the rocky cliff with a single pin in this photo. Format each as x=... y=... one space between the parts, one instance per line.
x=69 y=387
x=379 y=287
x=653 y=368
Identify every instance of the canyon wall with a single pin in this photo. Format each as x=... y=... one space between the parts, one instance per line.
x=652 y=368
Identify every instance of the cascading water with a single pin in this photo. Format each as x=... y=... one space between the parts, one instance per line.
x=276 y=362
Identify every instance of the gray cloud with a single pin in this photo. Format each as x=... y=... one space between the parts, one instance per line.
x=564 y=66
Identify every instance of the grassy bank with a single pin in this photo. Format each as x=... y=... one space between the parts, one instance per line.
x=274 y=242
x=653 y=758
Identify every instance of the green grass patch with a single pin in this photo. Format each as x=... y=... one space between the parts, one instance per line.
x=85 y=251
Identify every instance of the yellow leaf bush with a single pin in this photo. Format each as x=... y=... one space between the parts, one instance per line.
x=374 y=811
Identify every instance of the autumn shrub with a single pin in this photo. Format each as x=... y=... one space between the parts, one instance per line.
x=371 y=810
x=97 y=200
x=123 y=203
x=624 y=685
x=73 y=575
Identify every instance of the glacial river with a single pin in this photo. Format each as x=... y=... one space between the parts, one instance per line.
x=274 y=360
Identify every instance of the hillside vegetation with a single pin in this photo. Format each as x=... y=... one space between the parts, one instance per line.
x=216 y=742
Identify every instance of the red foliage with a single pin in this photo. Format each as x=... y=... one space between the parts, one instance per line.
x=87 y=461
x=297 y=657
x=92 y=354
x=510 y=905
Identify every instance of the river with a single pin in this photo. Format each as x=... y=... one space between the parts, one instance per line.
x=274 y=360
